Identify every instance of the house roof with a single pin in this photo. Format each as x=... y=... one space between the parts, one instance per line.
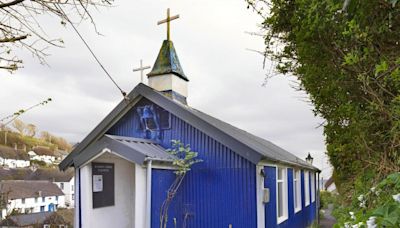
x=132 y=149
x=11 y=153
x=245 y=144
x=167 y=62
x=18 y=189
x=27 y=219
x=49 y=174
x=43 y=151
x=329 y=182
x=60 y=153
x=14 y=174
x=34 y=219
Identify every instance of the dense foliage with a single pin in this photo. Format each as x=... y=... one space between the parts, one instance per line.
x=379 y=206
x=346 y=55
x=326 y=198
x=10 y=138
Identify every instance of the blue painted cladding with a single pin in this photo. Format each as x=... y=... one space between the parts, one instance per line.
x=217 y=192
x=303 y=218
x=270 y=208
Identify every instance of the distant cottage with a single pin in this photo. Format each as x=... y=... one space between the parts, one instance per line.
x=122 y=169
x=22 y=196
x=64 y=180
x=13 y=158
x=43 y=154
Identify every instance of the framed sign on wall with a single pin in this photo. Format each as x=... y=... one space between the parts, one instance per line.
x=103 y=184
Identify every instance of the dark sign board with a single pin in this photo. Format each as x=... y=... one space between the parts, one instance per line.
x=103 y=184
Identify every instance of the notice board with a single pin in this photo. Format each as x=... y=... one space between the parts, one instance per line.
x=103 y=184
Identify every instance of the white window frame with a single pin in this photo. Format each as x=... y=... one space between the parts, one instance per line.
x=284 y=182
x=307 y=188
x=312 y=187
x=297 y=189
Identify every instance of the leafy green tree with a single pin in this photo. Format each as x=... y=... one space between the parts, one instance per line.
x=346 y=55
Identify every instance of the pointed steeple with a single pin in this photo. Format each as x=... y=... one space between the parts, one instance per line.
x=167 y=62
x=167 y=75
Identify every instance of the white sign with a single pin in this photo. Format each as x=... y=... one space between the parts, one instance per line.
x=97 y=183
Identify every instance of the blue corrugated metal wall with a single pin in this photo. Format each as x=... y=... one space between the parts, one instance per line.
x=303 y=218
x=217 y=192
x=270 y=208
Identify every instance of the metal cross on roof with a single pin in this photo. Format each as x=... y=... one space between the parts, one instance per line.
x=141 y=69
x=167 y=20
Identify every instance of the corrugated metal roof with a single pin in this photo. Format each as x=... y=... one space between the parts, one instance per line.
x=247 y=145
x=132 y=149
x=263 y=146
x=150 y=149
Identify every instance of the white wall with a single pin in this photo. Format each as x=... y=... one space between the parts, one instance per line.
x=45 y=158
x=34 y=204
x=167 y=82
x=122 y=214
x=68 y=188
x=140 y=196
x=13 y=163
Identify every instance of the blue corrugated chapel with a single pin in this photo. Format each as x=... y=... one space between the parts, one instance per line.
x=243 y=181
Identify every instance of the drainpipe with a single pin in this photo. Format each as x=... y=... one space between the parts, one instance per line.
x=148 y=195
x=79 y=199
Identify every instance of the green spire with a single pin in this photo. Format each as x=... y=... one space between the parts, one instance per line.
x=167 y=62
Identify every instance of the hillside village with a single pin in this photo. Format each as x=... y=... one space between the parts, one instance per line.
x=32 y=189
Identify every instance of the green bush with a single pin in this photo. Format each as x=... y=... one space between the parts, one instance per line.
x=327 y=198
x=378 y=206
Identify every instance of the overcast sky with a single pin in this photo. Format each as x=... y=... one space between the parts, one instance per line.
x=211 y=41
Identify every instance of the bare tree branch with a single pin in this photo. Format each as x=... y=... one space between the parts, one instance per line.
x=13 y=39
x=20 y=27
x=8 y=4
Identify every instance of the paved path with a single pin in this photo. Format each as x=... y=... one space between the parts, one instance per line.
x=328 y=221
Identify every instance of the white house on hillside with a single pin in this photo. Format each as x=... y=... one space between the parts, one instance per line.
x=64 y=180
x=68 y=188
x=42 y=154
x=12 y=158
x=30 y=196
x=60 y=155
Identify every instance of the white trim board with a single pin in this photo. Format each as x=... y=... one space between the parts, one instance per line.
x=259 y=194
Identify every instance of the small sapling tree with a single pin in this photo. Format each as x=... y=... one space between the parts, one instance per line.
x=184 y=158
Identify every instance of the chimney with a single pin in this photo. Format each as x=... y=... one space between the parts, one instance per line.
x=167 y=74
